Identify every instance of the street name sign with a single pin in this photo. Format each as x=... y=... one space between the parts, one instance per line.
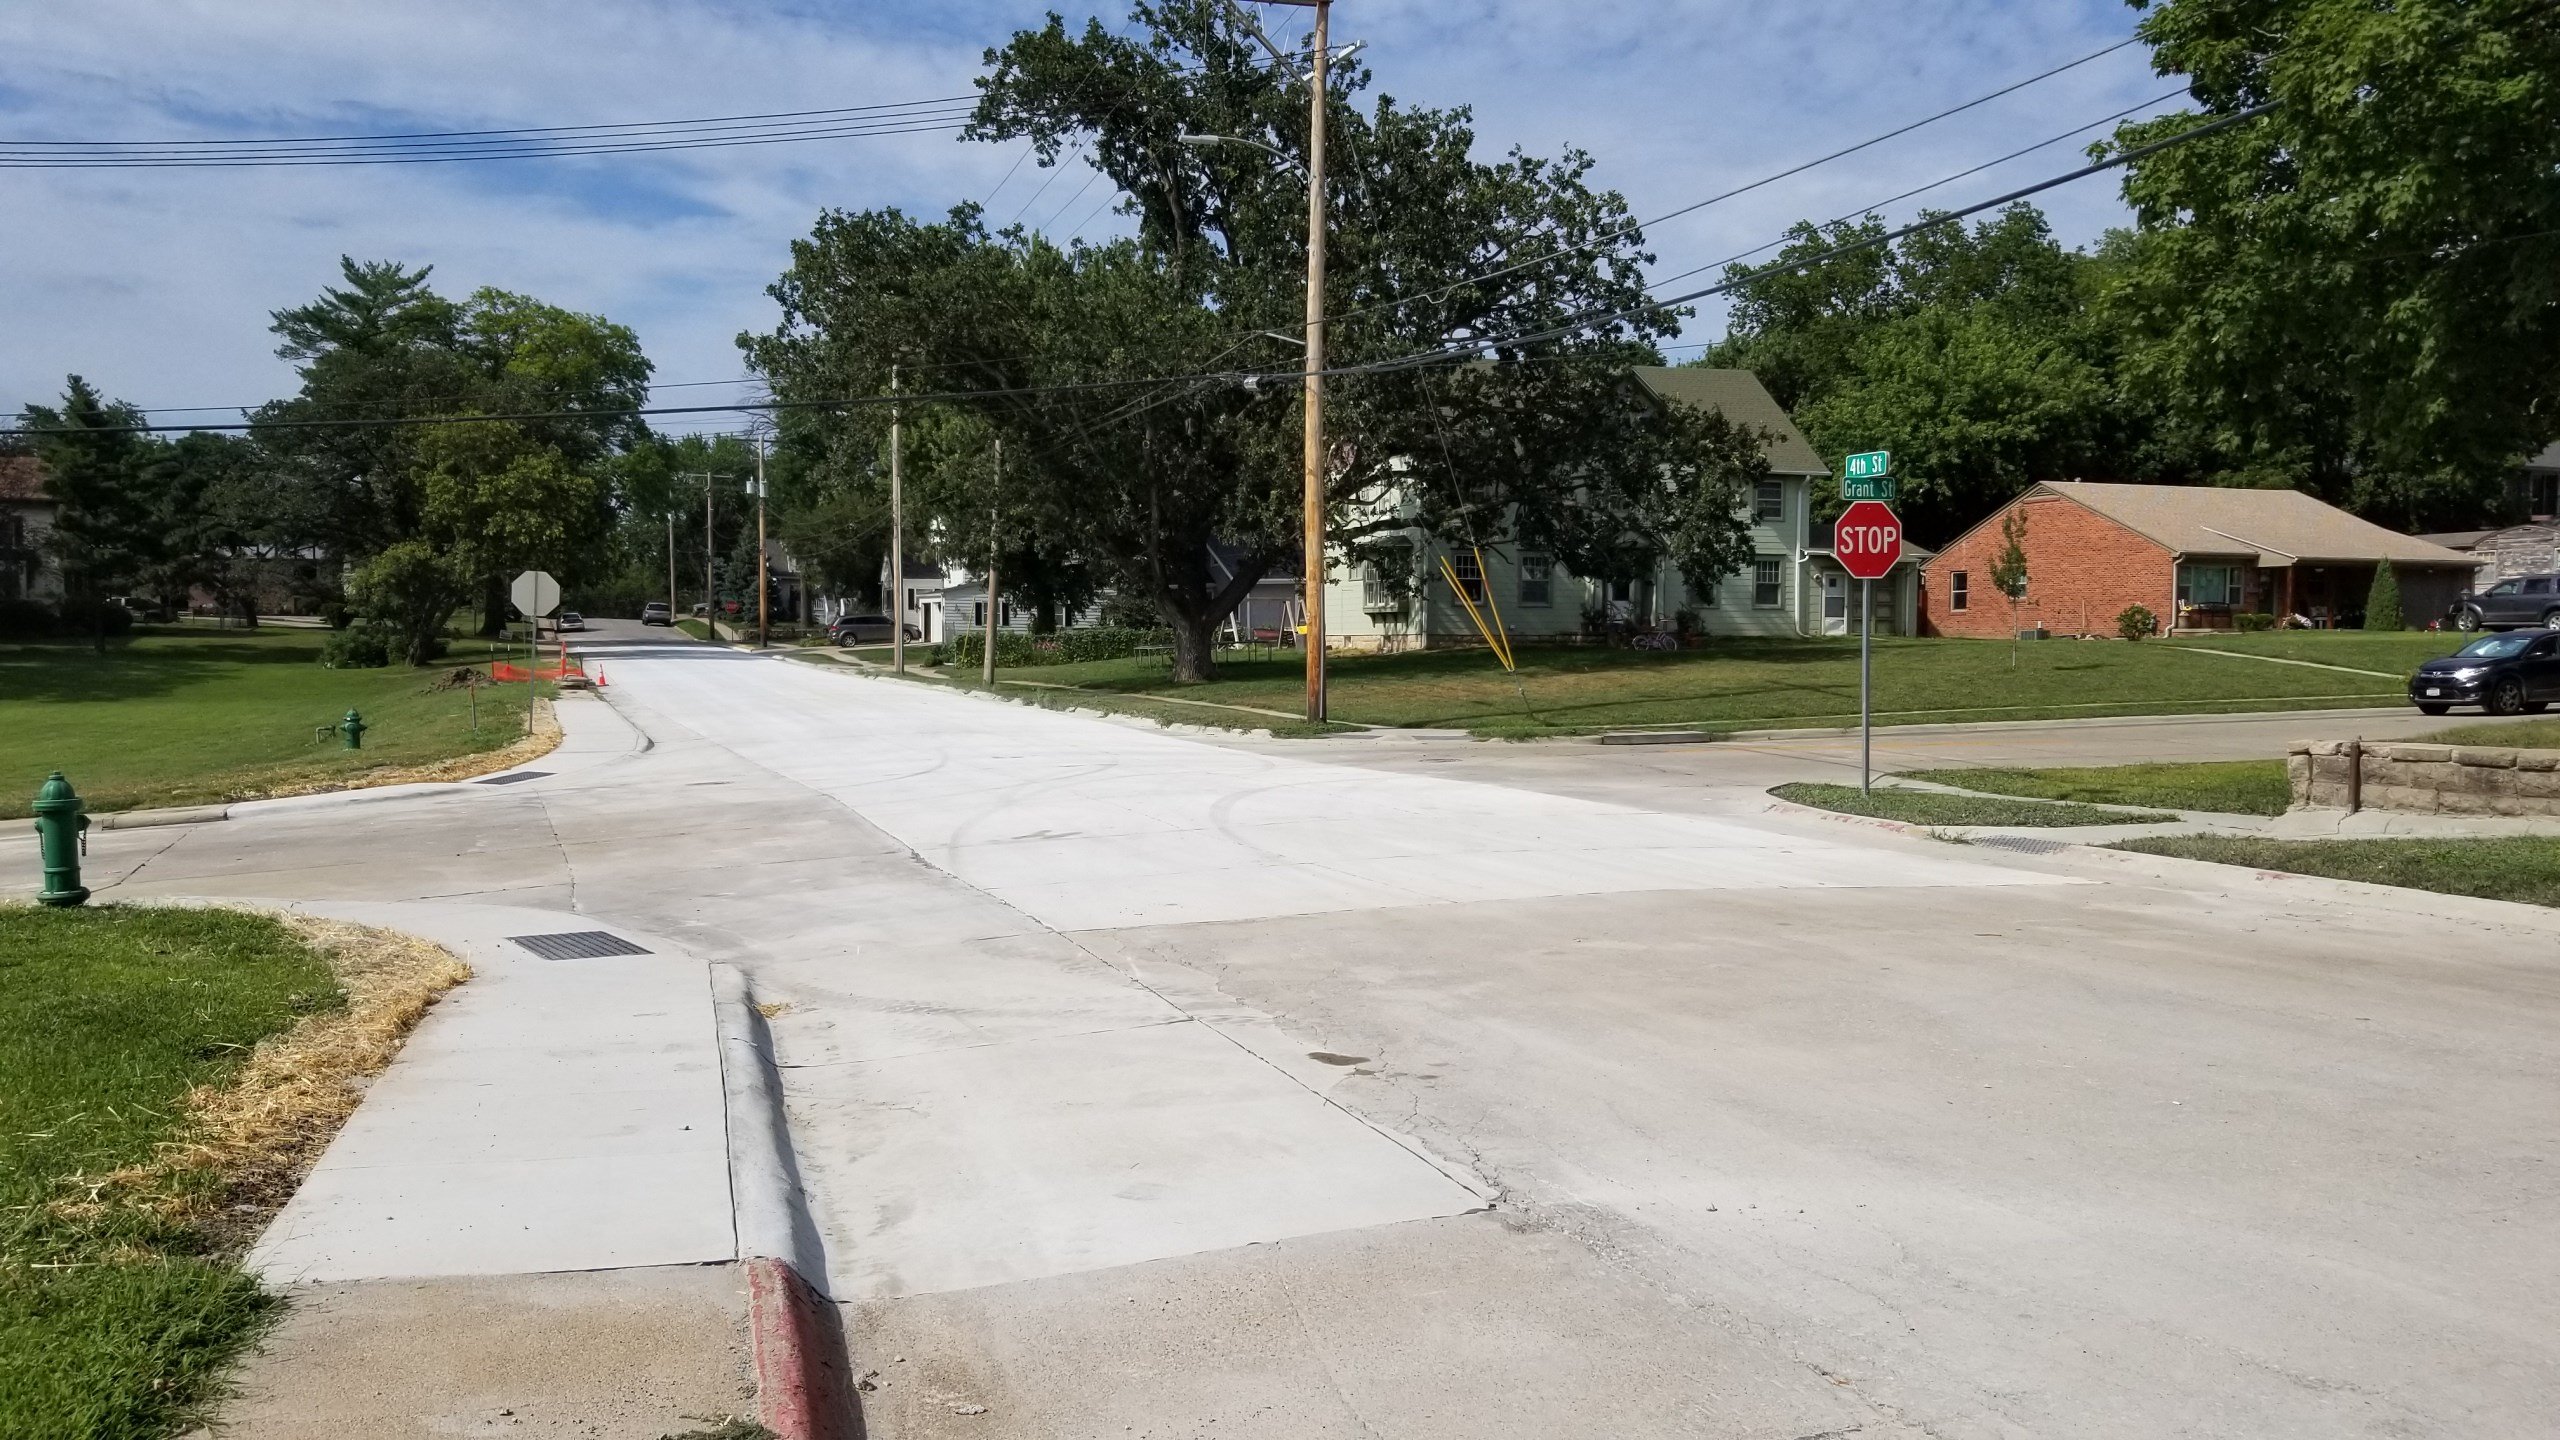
x=535 y=594
x=1874 y=487
x=1873 y=465
x=1868 y=540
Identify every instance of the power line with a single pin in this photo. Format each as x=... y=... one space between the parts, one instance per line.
x=1441 y=354
x=632 y=125
x=920 y=122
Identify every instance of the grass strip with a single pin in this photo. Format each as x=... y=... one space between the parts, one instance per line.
x=2512 y=735
x=1931 y=807
x=166 y=1077
x=2520 y=867
x=2229 y=787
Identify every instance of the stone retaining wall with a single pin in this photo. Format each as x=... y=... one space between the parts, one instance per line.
x=2435 y=779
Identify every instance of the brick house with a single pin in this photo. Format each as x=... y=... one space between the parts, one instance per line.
x=2194 y=555
x=27 y=570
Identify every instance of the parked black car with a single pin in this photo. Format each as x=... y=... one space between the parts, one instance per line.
x=2511 y=604
x=2502 y=674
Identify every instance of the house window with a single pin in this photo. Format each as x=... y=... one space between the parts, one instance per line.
x=2543 y=492
x=1769 y=502
x=980 y=622
x=1008 y=612
x=1382 y=581
x=1959 y=590
x=1537 y=578
x=911 y=599
x=1470 y=576
x=1767 y=581
x=2215 y=585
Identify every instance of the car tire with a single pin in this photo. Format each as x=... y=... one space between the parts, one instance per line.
x=2431 y=708
x=2467 y=621
x=2551 y=620
x=2506 y=697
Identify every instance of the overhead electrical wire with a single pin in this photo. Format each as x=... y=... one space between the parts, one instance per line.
x=1468 y=349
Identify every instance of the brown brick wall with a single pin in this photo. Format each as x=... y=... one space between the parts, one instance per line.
x=2082 y=571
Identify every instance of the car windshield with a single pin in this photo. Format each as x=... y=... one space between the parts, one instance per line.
x=2496 y=647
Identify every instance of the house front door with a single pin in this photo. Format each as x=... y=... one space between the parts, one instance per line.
x=1835 y=604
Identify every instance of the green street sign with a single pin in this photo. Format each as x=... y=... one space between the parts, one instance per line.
x=1873 y=465
x=1873 y=487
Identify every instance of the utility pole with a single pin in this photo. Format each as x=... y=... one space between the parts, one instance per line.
x=710 y=549
x=671 y=566
x=995 y=543
x=764 y=621
x=1312 y=565
x=897 y=538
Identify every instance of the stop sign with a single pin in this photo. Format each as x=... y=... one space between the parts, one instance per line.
x=1868 y=539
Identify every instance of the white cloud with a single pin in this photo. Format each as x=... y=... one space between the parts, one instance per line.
x=157 y=284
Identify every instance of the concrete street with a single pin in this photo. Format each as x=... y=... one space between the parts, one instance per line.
x=1156 y=1085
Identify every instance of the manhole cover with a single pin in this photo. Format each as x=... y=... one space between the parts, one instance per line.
x=511 y=779
x=578 y=945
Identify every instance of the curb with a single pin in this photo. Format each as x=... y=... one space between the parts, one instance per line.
x=803 y=1380
x=1957 y=727
x=146 y=819
x=804 y=1387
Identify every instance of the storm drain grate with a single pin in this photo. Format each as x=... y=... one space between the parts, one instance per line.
x=513 y=778
x=2020 y=843
x=578 y=945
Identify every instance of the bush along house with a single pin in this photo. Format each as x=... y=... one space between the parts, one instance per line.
x=2198 y=557
x=1791 y=585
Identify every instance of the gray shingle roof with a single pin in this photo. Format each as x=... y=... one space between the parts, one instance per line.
x=1742 y=399
x=2278 y=527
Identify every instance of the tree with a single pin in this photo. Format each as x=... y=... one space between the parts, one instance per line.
x=411 y=590
x=107 y=532
x=2382 y=609
x=1134 y=481
x=2009 y=570
x=2359 y=292
x=497 y=502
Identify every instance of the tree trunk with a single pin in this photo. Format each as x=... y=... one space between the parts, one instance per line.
x=493 y=607
x=1195 y=645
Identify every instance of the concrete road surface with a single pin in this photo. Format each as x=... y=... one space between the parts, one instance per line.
x=1152 y=1086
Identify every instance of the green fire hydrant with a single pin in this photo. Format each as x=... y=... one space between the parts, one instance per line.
x=351 y=731
x=62 y=833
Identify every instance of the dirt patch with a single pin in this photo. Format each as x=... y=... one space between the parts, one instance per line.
x=250 y=1142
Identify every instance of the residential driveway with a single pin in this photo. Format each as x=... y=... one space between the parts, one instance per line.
x=1150 y=1086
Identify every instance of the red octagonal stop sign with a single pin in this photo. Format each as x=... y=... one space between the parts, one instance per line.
x=1868 y=539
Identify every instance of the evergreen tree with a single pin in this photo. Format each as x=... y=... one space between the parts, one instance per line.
x=2382 y=604
x=108 y=533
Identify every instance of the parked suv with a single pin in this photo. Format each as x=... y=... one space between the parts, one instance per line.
x=2511 y=604
x=656 y=612
x=2502 y=674
x=865 y=630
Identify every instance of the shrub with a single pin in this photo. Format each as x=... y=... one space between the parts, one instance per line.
x=2253 y=622
x=336 y=615
x=1065 y=647
x=2382 y=603
x=366 y=645
x=2136 y=622
x=24 y=620
x=94 y=617
x=410 y=591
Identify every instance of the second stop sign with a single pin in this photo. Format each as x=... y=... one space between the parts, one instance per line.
x=1868 y=540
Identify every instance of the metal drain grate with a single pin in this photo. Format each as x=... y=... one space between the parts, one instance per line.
x=578 y=945
x=511 y=779
x=2020 y=843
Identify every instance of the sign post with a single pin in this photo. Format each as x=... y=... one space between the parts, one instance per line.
x=1867 y=542
x=534 y=594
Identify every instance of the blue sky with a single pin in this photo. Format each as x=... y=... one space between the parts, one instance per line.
x=157 y=284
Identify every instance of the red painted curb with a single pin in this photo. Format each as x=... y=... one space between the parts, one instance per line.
x=804 y=1388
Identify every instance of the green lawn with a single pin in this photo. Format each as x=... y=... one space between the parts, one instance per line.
x=2390 y=652
x=2515 y=734
x=117 y=1324
x=178 y=716
x=1929 y=807
x=1752 y=684
x=2232 y=787
x=2525 y=868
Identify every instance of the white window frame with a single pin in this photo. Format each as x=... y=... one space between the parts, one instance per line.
x=1768 y=577
x=1959 y=590
x=1538 y=569
x=1769 y=501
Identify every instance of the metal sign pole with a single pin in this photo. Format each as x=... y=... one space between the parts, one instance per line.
x=1866 y=683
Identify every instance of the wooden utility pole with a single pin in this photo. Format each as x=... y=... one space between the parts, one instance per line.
x=671 y=566
x=995 y=543
x=764 y=620
x=710 y=547
x=897 y=540
x=1312 y=569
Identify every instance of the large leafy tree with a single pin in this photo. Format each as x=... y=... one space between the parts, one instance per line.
x=1972 y=354
x=2359 y=292
x=1430 y=247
